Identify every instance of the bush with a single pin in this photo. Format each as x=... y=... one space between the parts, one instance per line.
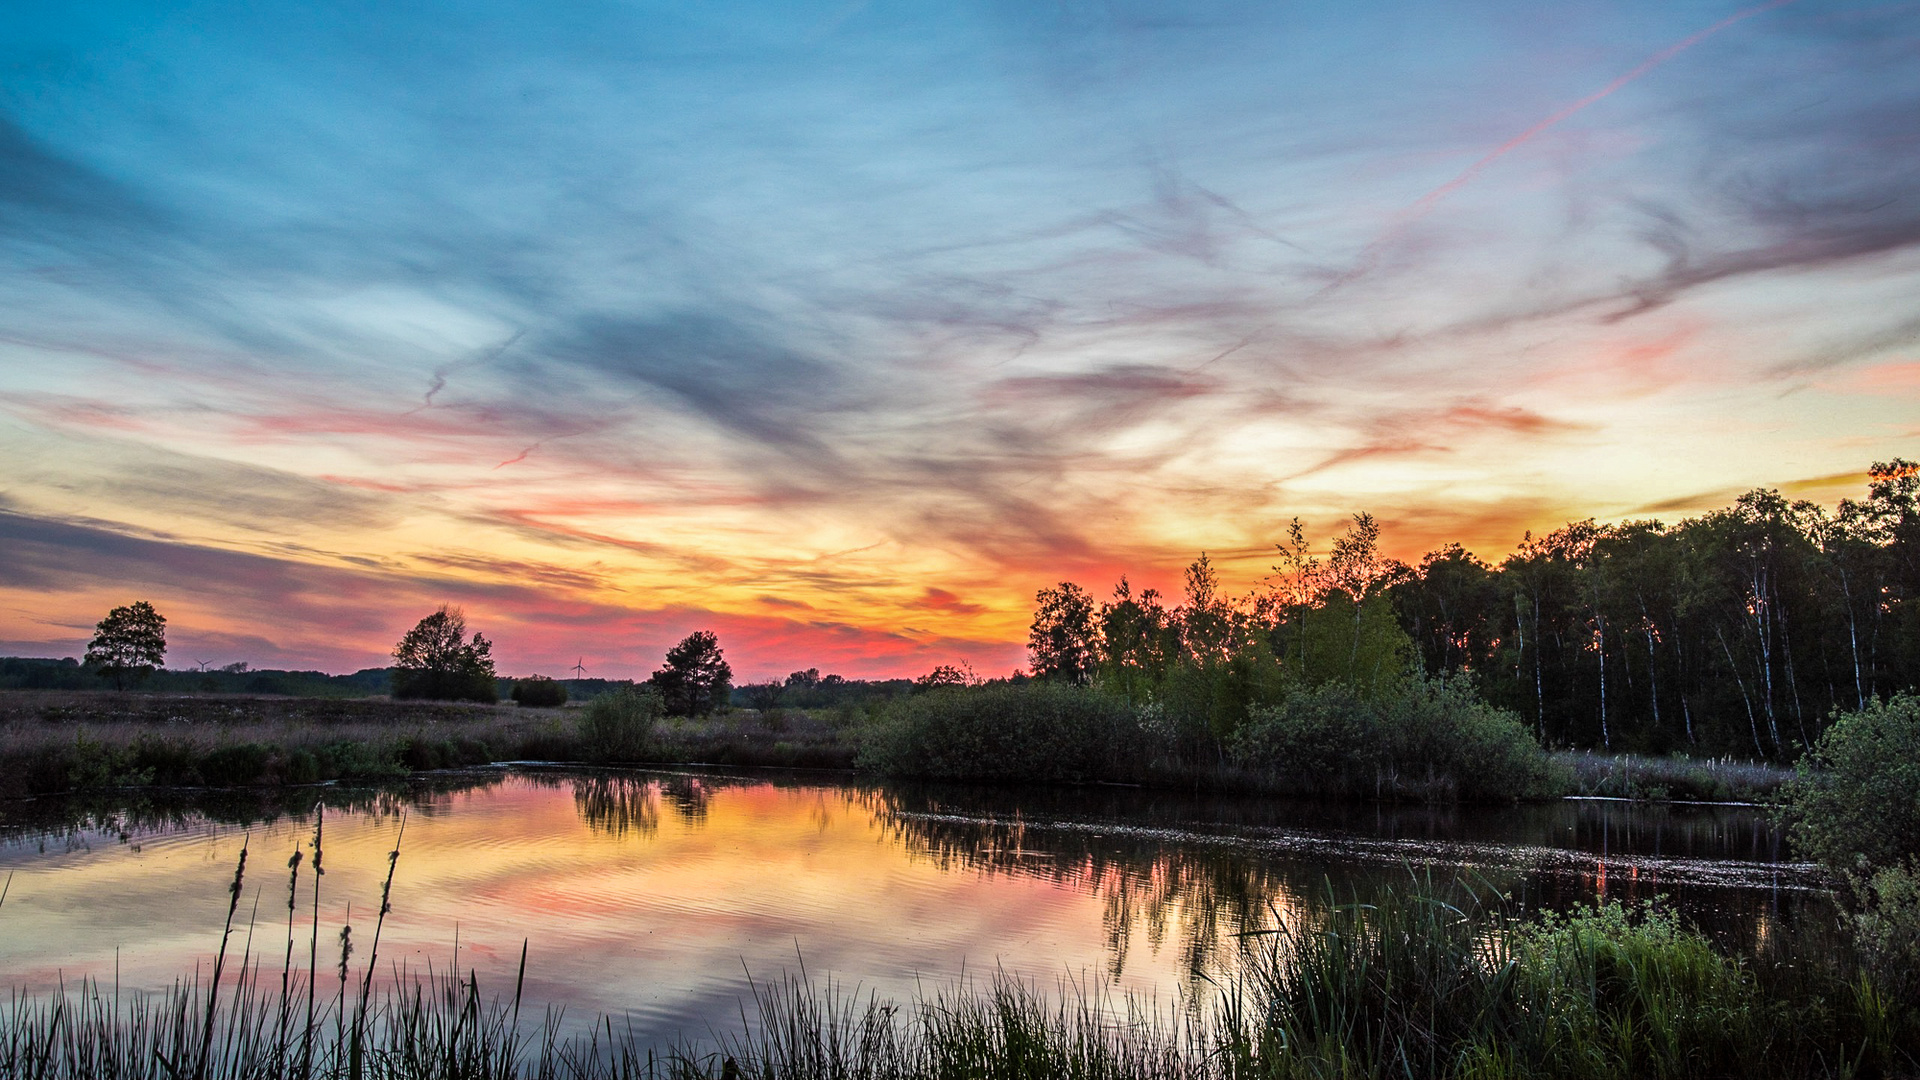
x=539 y=692
x=1448 y=982
x=1629 y=991
x=1854 y=802
x=1854 y=805
x=231 y=766
x=1436 y=740
x=618 y=725
x=1031 y=732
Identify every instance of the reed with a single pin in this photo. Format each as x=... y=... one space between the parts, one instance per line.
x=1435 y=979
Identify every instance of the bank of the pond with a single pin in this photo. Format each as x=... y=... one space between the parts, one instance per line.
x=60 y=742
x=1430 y=981
x=54 y=742
x=1674 y=778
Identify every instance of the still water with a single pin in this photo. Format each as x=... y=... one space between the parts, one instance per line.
x=654 y=895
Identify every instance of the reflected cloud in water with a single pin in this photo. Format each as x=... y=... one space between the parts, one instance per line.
x=645 y=893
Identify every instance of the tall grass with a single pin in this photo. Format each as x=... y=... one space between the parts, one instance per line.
x=1633 y=776
x=1435 y=980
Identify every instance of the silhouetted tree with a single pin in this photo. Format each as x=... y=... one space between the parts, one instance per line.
x=1061 y=644
x=946 y=675
x=696 y=679
x=434 y=660
x=130 y=642
x=1137 y=640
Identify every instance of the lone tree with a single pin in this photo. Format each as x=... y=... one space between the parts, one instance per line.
x=130 y=641
x=435 y=660
x=696 y=680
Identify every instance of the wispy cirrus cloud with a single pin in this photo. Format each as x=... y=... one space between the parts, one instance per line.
x=884 y=318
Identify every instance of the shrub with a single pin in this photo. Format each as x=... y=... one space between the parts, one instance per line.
x=229 y=766
x=1854 y=805
x=539 y=692
x=1435 y=740
x=618 y=726
x=1854 y=802
x=1031 y=732
x=302 y=767
x=92 y=764
x=1630 y=992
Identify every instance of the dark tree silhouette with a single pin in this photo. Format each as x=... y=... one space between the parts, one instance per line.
x=696 y=679
x=539 y=692
x=435 y=660
x=1062 y=643
x=946 y=675
x=1741 y=631
x=129 y=643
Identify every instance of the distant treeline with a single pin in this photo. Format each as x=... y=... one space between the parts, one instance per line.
x=1740 y=631
x=801 y=690
x=38 y=673
x=811 y=690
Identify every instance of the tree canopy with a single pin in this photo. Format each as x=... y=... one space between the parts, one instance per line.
x=436 y=660
x=130 y=643
x=1742 y=630
x=696 y=679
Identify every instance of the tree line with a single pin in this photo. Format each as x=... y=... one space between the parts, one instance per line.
x=1740 y=631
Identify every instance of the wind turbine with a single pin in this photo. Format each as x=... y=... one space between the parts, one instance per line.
x=203 y=665
x=579 y=670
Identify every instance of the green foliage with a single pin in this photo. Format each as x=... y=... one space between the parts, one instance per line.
x=1854 y=805
x=229 y=766
x=1630 y=992
x=1033 y=732
x=618 y=725
x=1886 y=928
x=1449 y=982
x=1211 y=695
x=1855 y=800
x=1062 y=644
x=1360 y=645
x=1435 y=740
x=434 y=660
x=539 y=692
x=131 y=642
x=696 y=679
x=92 y=765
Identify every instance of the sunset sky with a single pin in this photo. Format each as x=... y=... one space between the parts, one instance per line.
x=840 y=327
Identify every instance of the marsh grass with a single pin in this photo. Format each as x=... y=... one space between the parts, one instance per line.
x=61 y=742
x=1632 y=776
x=65 y=742
x=1437 y=979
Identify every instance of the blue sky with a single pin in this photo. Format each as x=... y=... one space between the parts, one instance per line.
x=844 y=326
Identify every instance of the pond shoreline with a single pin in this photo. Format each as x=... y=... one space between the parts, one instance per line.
x=605 y=861
x=64 y=742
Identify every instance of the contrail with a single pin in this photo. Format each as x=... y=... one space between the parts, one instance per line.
x=1425 y=204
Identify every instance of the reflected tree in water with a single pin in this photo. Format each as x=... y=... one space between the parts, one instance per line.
x=618 y=805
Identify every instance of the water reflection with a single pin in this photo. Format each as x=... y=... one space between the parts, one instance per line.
x=76 y=823
x=1229 y=865
x=645 y=893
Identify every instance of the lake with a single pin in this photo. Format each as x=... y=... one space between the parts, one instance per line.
x=653 y=895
